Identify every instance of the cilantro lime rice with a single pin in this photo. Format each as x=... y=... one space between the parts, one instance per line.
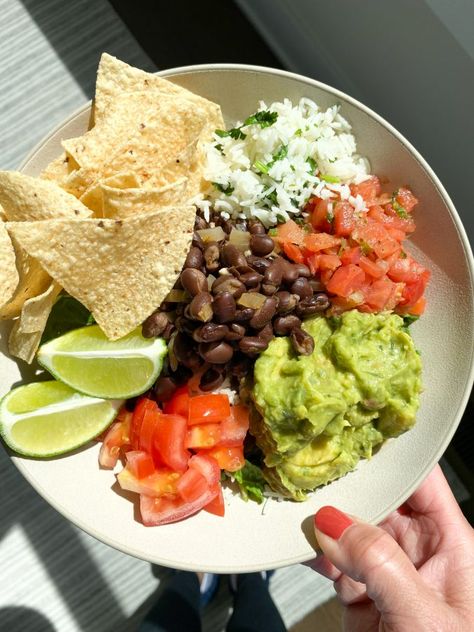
x=268 y=166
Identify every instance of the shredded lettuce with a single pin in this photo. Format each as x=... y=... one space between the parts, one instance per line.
x=251 y=482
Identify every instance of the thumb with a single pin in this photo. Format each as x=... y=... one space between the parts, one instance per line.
x=370 y=555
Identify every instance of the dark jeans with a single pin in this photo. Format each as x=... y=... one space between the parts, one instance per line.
x=178 y=609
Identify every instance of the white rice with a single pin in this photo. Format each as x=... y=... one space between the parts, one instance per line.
x=301 y=134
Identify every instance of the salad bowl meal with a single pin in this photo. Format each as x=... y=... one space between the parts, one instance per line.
x=230 y=295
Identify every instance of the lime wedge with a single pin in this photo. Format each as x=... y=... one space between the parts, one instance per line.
x=94 y=365
x=50 y=418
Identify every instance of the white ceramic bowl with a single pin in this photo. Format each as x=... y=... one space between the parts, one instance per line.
x=253 y=537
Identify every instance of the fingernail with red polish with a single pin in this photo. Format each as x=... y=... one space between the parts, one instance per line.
x=332 y=522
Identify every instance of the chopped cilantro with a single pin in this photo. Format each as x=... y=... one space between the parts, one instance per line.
x=281 y=153
x=235 y=132
x=403 y=254
x=224 y=189
x=312 y=163
x=219 y=147
x=264 y=118
x=273 y=232
x=365 y=248
x=298 y=132
x=408 y=319
x=272 y=197
x=398 y=208
x=258 y=165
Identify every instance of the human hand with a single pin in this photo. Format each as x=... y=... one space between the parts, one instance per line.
x=414 y=572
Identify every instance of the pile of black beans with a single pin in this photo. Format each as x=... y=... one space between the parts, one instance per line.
x=211 y=328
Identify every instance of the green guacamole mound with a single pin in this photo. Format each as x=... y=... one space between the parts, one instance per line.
x=320 y=414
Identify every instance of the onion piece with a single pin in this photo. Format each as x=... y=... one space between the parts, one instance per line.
x=177 y=296
x=211 y=234
x=210 y=280
x=255 y=300
x=240 y=239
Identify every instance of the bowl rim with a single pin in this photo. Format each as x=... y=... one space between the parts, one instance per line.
x=425 y=469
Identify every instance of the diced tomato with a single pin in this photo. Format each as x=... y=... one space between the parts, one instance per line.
x=396 y=233
x=392 y=218
x=406 y=270
x=377 y=238
x=290 y=232
x=192 y=485
x=203 y=436
x=140 y=463
x=179 y=403
x=379 y=293
x=346 y=280
x=111 y=445
x=158 y=511
x=344 y=219
x=216 y=506
x=375 y=269
x=351 y=255
x=406 y=199
x=234 y=429
x=368 y=189
x=143 y=404
x=210 y=408
x=329 y=262
x=230 y=458
x=325 y=276
x=416 y=310
x=319 y=215
x=207 y=466
x=148 y=428
x=293 y=252
x=169 y=441
x=162 y=482
x=320 y=241
x=414 y=291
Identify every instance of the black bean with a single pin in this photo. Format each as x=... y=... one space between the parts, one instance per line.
x=194 y=281
x=244 y=315
x=228 y=283
x=303 y=270
x=194 y=258
x=216 y=352
x=302 y=288
x=198 y=242
x=200 y=307
x=166 y=335
x=210 y=332
x=286 y=302
x=155 y=325
x=239 y=271
x=303 y=342
x=283 y=325
x=224 y=307
x=252 y=345
x=211 y=379
x=264 y=313
x=261 y=245
x=211 y=257
x=164 y=388
x=273 y=275
x=314 y=305
x=268 y=290
x=181 y=375
x=251 y=279
x=200 y=223
x=290 y=272
x=236 y=332
x=256 y=228
x=232 y=256
x=182 y=347
x=240 y=365
x=182 y=323
x=259 y=263
x=266 y=333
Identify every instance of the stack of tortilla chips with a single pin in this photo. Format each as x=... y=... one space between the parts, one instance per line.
x=111 y=220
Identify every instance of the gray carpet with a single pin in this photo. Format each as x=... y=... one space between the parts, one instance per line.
x=52 y=575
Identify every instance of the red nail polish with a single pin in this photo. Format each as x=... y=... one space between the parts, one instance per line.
x=332 y=522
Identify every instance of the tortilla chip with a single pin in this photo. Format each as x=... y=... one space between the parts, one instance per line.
x=93 y=197
x=138 y=124
x=59 y=169
x=33 y=280
x=115 y=77
x=3 y=217
x=27 y=331
x=121 y=270
x=25 y=198
x=120 y=203
x=9 y=277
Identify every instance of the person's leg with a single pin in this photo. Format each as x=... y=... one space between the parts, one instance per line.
x=177 y=608
x=254 y=609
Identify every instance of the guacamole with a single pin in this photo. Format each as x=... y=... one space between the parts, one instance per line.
x=318 y=415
